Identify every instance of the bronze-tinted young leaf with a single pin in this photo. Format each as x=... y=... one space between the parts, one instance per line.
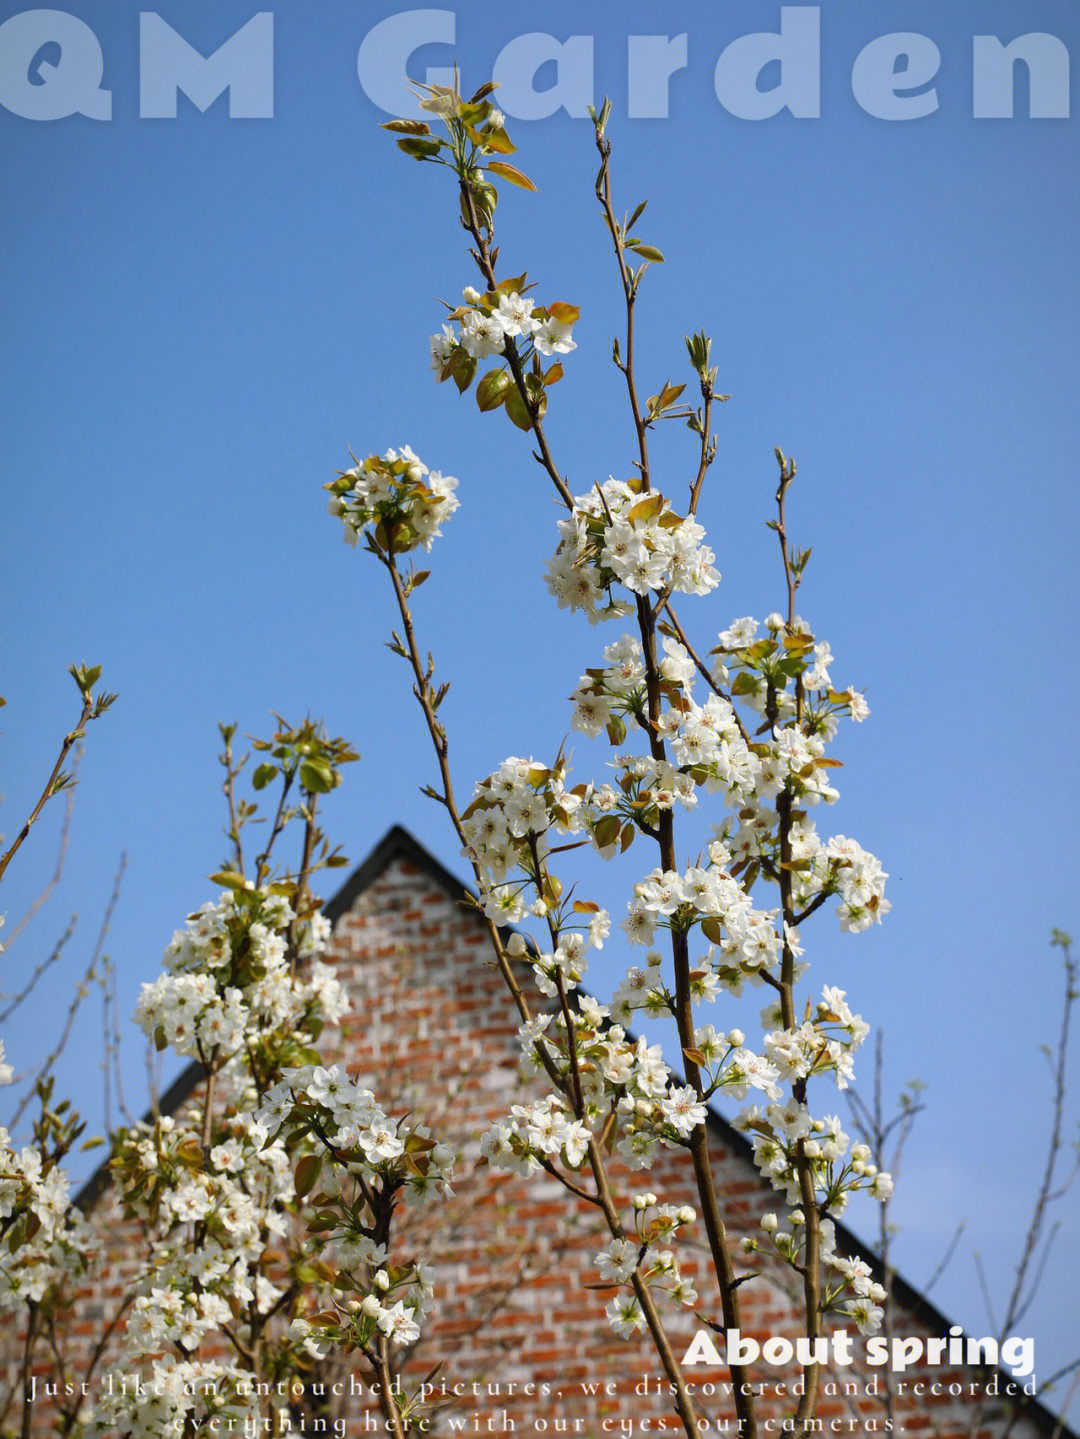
x=498 y=140
x=552 y=888
x=564 y=313
x=647 y=252
x=407 y=127
x=646 y=509
x=553 y=375
x=712 y=930
x=462 y=370
x=511 y=173
x=616 y=730
x=307 y=1172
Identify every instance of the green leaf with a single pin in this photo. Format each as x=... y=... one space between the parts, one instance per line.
x=421 y=148
x=491 y=391
x=316 y=776
x=647 y=252
x=517 y=409
x=264 y=775
x=228 y=879
x=636 y=216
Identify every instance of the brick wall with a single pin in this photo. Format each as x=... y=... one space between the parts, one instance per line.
x=432 y=1029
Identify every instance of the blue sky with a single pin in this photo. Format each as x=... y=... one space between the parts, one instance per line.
x=203 y=313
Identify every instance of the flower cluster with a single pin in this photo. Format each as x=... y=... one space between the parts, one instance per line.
x=397 y=500
x=618 y=535
x=619 y=1261
x=356 y=1162
x=630 y=1097
x=221 y=1396
x=707 y=744
x=508 y=827
x=853 y=1294
x=228 y=974
x=43 y=1238
x=783 y=1135
x=486 y=321
x=356 y=1140
x=232 y=1196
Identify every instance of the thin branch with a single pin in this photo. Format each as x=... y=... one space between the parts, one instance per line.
x=51 y=785
x=41 y=969
x=943 y=1262
x=81 y=991
x=61 y=855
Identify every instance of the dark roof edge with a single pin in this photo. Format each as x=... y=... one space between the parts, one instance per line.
x=398 y=843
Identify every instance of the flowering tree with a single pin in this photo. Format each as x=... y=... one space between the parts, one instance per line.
x=743 y=725
x=267 y=1204
x=270 y=1204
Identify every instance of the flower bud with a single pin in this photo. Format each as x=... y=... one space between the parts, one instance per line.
x=736 y=1038
x=769 y=1223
